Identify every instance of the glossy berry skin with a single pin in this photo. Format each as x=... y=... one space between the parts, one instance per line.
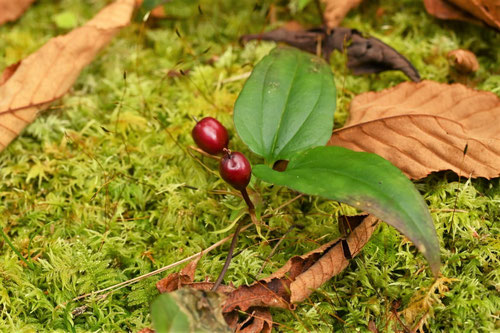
x=210 y=135
x=235 y=169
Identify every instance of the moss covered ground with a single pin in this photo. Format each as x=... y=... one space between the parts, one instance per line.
x=96 y=191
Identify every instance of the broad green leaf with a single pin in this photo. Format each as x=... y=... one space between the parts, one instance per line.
x=286 y=105
x=168 y=316
x=365 y=181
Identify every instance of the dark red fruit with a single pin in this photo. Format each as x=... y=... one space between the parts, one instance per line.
x=210 y=135
x=235 y=169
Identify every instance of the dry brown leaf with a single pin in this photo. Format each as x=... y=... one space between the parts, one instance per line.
x=445 y=10
x=10 y=10
x=175 y=281
x=464 y=61
x=259 y=321
x=336 y=10
x=487 y=11
x=365 y=54
x=301 y=275
x=426 y=127
x=47 y=74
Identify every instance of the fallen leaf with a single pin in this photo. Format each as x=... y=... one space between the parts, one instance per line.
x=175 y=281
x=487 y=11
x=11 y=10
x=445 y=10
x=426 y=127
x=364 y=55
x=464 y=61
x=47 y=74
x=301 y=275
x=336 y=10
x=259 y=321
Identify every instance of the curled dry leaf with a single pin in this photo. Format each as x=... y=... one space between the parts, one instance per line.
x=365 y=55
x=301 y=275
x=426 y=127
x=464 y=61
x=488 y=11
x=175 y=281
x=259 y=321
x=336 y=10
x=11 y=10
x=47 y=74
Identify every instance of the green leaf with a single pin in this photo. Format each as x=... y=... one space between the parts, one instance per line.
x=168 y=316
x=365 y=181
x=286 y=105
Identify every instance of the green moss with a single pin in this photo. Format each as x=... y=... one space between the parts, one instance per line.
x=96 y=183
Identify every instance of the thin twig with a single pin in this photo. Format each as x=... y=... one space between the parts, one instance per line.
x=229 y=256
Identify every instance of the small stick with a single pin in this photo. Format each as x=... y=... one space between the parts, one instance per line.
x=251 y=211
x=229 y=256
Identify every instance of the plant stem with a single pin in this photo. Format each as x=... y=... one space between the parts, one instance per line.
x=251 y=211
x=251 y=207
x=30 y=265
x=229 y=256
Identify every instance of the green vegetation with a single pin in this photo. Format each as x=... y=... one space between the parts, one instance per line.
x=96 y=188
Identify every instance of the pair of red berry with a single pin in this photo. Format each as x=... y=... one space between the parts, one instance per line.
x=211 y=136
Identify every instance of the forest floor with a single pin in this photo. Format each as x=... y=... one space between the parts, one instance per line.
x=96 y=191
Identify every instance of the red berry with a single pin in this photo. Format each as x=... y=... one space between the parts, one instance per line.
x=235 y=169
x=210 y=135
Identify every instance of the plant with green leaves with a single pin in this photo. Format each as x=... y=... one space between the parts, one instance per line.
x=285 y=112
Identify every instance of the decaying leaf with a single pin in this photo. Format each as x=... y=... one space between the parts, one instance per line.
x=259 y=321
x=365 y=54
x=10 y=10
x=189 y=310
x=336 y=10
x=47 y=74
x=487 y=11
x=464 y=61
x=426 y=127
x=301 y=275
